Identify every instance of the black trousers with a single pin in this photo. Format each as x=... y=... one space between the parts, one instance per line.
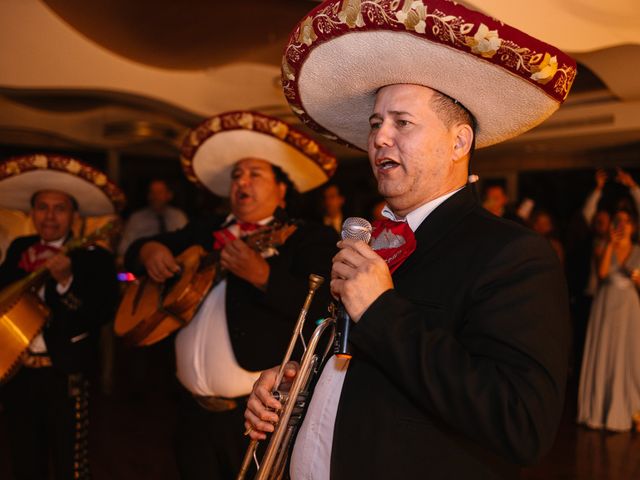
x=209 y=445
x=46 y=412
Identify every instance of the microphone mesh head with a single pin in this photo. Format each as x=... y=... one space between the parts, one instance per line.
x=356 y=228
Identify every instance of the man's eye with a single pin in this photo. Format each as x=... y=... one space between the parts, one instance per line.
x=402 y=123
x=374 y=126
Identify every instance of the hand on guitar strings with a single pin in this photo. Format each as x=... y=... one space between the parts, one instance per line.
x=358 y=277
x=246 y=263
x=260 y=415
x=158 y=261
x=60 y=268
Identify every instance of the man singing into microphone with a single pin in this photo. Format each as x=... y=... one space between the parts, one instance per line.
x=245 y=322
x=460 y=342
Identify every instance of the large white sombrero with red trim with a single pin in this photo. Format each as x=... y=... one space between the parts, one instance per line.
x=342 y=52
x=21 y=177
x=210 y=150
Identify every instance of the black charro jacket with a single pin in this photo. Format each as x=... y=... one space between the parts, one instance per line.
x=261 y=323
x=459 y=371
x=72 y=331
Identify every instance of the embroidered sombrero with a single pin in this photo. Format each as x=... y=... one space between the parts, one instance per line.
x=210 y=150
x=342 y=52
x=21 y=177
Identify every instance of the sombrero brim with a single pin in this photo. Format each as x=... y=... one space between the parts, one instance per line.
x=332 y=71
x=211 y=150
x=21 y=177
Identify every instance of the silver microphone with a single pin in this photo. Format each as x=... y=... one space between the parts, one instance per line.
x=354 y=228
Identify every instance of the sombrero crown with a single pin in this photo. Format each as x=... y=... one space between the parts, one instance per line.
x=340 y=54
x=22 y=176
x=210 y=150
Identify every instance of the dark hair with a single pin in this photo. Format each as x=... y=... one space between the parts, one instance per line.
x=451 y=113
x=330 y=184
x=160 y=180
x=490 y=184
x=74 y=202
x=633 y=216
x=292 y=192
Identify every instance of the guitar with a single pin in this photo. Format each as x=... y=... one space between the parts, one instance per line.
x=150 y=311
x=23 y=314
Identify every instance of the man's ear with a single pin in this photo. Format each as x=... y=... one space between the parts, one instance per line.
x=282 y=190
x=463 y=141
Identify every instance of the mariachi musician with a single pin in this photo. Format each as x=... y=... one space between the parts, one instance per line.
x=245 y=322
x=461 y=328
x=46 y=401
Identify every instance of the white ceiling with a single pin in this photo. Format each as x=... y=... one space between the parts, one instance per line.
x=69 y=72
x=576 y=26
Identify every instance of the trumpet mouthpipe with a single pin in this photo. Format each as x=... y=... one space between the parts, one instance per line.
x=315 y=281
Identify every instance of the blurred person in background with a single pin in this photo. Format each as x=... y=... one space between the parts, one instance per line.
x=609 y=392
x=495 y=200
x=619 y=176
x=376 y=209
x=587 y=233
x=332 y=205
x=542 y=222
x=600 y=227
x=157 y=217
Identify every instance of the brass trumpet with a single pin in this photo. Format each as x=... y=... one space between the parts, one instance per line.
x=294 y=401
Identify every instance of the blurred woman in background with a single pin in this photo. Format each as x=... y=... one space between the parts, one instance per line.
x=609 y=392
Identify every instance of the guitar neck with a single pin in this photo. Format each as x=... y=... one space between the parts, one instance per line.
x=99 y=234
x=36 y=278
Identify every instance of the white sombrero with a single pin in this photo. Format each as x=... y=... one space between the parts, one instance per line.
x=345 y=50
x=210 y=150
x=21 y=177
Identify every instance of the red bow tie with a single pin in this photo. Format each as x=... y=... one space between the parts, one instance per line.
x=248 y=227
x=393 y=241
x=224 y=235
x=36 y=255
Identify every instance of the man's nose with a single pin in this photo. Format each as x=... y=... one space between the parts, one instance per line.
x=382 y=136
x=242 y=180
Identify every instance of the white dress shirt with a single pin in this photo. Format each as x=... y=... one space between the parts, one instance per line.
x=144 y=223
x=38 y=345
x=205 y=362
